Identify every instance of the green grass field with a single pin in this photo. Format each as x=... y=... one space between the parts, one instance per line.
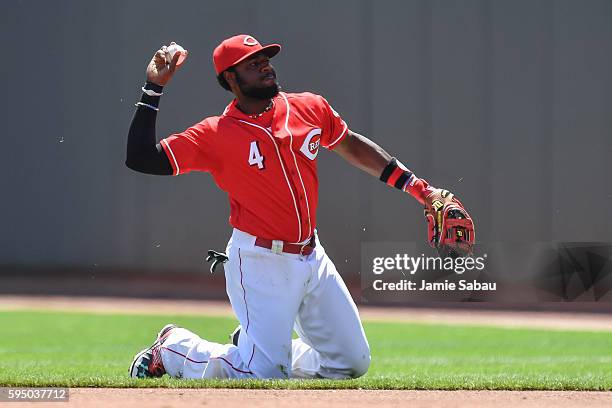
x=95 y=350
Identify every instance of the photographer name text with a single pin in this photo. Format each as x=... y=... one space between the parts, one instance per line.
x=425 y=286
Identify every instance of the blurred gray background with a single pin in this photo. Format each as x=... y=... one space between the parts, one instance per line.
x=508 y=103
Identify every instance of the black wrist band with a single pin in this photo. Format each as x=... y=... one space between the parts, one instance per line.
x=384 y=176
x=396 y=175
x=150 y=100
x=153 y=87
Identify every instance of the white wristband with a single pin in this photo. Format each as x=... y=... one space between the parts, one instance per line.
x=146 y=105
x=151 y=92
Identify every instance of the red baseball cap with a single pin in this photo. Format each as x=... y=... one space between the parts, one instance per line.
x=238 y=48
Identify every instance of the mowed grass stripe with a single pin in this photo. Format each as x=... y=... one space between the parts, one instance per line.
x=95 y=350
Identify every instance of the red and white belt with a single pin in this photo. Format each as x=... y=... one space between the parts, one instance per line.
x=280 y=246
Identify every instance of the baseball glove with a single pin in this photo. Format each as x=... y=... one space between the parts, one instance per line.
x=450 y=228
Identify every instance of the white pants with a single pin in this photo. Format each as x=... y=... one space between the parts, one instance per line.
x=272 y=294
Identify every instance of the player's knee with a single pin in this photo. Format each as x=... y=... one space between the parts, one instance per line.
x=269 y=369
x=360 y=361
x=361 y=366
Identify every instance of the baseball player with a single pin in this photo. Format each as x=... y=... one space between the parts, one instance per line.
x=262 y=150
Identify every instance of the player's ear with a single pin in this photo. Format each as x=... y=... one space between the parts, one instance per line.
x=230 y=77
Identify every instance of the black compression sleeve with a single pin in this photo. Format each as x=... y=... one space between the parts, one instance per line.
x=143 y=154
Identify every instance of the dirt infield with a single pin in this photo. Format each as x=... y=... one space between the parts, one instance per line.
x=226 y=398
x=184 y=398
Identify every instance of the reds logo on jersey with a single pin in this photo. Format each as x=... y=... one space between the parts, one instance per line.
x=310 y=147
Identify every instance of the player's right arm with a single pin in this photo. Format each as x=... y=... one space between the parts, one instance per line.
x=144 y=154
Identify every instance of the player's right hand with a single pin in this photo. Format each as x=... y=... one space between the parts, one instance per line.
x=159 y=70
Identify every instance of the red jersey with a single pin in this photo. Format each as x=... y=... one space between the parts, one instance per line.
x=267 y=165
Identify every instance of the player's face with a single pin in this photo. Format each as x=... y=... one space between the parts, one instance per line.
x=256 y=77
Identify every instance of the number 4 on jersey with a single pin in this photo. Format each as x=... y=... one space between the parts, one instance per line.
x=255 y=158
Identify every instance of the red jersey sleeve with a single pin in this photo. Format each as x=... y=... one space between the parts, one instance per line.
x=335 y=129
x=191 y=150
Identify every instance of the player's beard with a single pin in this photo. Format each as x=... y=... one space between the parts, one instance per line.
x=258 y=92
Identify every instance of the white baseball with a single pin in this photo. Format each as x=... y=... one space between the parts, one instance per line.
x=171 y=50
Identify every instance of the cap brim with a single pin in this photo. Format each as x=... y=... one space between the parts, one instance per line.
x=270 y=50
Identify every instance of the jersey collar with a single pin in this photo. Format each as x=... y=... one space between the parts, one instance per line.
x=280 y=116
x=232 y=110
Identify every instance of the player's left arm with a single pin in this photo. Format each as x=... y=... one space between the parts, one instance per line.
x=363 y=153
x=449 y=224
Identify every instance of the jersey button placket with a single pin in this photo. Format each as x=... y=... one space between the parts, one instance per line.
x=294 y=181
